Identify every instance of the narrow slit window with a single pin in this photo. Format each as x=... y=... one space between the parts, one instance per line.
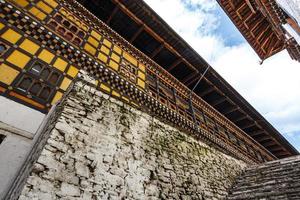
x=53 y=24
x=45 y=74
x=36 y=87
x=2 y=137
x=45 y=93
x=3 y=48
x=36 y=68
x=25 y=84
x=69 y=36
x=66 y=23
x=58 y=18
x=54 y=78
x=61 y=30
x=73 y=29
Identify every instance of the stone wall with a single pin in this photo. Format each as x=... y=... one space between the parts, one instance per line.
x=275 y=180
x=101 y=148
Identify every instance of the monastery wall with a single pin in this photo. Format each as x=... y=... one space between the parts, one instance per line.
x=101 y=148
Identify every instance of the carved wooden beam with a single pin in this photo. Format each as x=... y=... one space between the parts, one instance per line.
x=122 y=7
x=250 y=6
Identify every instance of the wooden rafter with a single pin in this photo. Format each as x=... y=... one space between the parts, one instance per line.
x=190 y=77
x=207 y=91
x=240 y=118
x=136 y=34
x=282 y=153
x=247 y=125
x=156 y=51
x=256 y=133
x=112 y=15
x=175 y=64
x=262 y=138
x=218 y=101
x=269 y=143
x=230 y=110
x=275 y=148
x=257 y=21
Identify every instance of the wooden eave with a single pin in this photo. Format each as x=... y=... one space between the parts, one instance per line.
x=143 y=28
x=268 y=15
x=253 y=23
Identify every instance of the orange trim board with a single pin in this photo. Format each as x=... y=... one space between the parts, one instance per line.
x=27 y=100
x=2 y=89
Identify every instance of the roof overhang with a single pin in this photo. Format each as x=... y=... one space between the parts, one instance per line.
x=143 y=28
x=261 y=23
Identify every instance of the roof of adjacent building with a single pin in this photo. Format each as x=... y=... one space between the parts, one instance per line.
x=277 y=179
x=149 y=33
x=262 y=24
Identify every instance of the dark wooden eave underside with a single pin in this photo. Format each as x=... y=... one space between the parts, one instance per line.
x=260 y=27
x=141 y=26
x=254 y=26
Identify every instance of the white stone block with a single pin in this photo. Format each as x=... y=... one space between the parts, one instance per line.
x=69 y=190
x=81 y=169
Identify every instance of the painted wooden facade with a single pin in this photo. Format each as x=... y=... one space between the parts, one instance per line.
x=44 y=44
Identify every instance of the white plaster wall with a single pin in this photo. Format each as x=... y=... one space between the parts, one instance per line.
x=19 y=116
x=13 y=151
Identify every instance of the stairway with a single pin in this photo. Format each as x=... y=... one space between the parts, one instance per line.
x=278 y=179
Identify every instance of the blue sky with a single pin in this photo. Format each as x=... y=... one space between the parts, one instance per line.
x=272 y=88
x=226 y=30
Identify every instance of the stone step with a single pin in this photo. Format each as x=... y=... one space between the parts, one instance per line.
x=278 y=179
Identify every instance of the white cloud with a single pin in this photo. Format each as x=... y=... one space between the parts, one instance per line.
x=272 y=88
x=194 y=25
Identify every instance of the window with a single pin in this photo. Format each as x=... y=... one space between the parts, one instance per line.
x=47 y=74
x=66 y=29
x=3 y=48
x=259 y=156
x=25 y=83
x=242 y=144
x=232 y=137
x=199 y=116
x=36 y=68
x=40 y=81
x=182 y=103
x=251 y=151
x=221 y=130
x=2 y=137
x=129 y=71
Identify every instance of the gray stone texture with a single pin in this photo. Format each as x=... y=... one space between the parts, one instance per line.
x=101 y=148
x=275 y=180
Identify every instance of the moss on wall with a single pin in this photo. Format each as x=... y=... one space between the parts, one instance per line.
x=103 y=149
